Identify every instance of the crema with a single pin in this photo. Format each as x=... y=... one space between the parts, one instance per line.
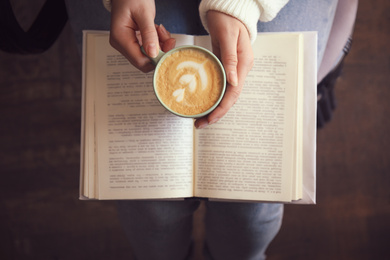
x=189 y=81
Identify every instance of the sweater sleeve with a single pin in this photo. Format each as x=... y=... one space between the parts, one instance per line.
x=249 y=12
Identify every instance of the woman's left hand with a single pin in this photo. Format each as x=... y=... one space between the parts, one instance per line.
x=231 y=43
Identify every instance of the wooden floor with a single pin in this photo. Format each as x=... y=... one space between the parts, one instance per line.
x=42 y=218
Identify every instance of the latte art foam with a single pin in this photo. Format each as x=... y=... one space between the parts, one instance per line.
x=189 y=81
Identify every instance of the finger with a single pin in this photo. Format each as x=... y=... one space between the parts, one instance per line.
x=231 y=96
x=244 y=65
x=123 y=37
x=148 y=32
x=229 y=59
x=127 y=44
x=166 y=41
x=163 y=34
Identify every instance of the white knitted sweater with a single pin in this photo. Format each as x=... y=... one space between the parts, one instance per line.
x=247 y=11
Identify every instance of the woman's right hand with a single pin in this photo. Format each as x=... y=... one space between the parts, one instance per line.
x=132 y=26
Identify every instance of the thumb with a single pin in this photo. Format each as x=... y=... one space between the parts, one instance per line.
x=228 y=50
x=149 y=36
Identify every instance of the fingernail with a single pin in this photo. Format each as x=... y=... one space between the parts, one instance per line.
x=202 y=125
x=215 y=120
x=232 y=78
x=152 y=50
x=163 y=30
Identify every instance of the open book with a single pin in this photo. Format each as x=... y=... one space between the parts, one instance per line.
x=262 y=150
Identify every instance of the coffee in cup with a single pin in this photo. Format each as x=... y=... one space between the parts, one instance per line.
x=189 y=81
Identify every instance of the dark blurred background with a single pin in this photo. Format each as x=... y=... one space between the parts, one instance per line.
x=41 y=216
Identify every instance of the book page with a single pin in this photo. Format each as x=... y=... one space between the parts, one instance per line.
x=183 y=39
x=249 y=154
x=203 y=41
x=298 y=177
x=87 y=156
x=143 y=151
x=309 y=126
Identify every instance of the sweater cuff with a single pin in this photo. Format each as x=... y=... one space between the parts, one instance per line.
x=247 y=11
